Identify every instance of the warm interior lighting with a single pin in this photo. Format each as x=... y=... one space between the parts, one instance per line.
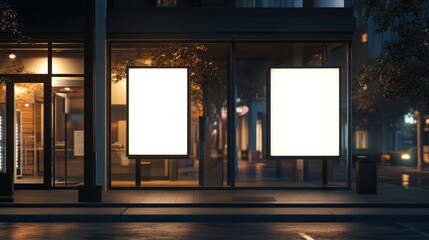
x=12 y=56
x=364 y=37
x=304 y=117
x=158 y=111
x=65 y=89
x=26 y=105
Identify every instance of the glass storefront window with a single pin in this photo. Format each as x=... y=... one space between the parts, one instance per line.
x=67 y=58
x=253 y=62
x=23 y=59
x=207 y=63
x=269 y=3
x=67 y=121
x=332 y=3
x=209 y=70
x=68 y=114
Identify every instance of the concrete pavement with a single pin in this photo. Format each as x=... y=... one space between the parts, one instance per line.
x=391 y=204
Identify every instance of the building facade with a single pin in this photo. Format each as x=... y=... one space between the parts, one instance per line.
x=228 y=47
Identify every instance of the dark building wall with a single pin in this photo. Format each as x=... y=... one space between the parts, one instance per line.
x=231 y=23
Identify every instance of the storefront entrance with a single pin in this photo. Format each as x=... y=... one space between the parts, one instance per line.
x=67 y=121
x=47 y=137
x=27 y=108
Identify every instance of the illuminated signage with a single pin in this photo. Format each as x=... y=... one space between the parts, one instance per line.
x=304 y=112
x=158 y=112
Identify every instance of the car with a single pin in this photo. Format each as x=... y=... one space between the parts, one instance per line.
x=399 y=158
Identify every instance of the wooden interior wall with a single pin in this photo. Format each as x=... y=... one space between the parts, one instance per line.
x=27 y=128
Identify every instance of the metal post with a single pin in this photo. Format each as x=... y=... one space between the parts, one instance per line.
x=6 y=179
x=138 y=173
x=324 y=171
x=349 y=117
x=201 y=149
x=420 y=132
x=278 y=168
x=100 y=92
x=231 y=121
x=89 y=192
x=89 y=163
x=65 y=144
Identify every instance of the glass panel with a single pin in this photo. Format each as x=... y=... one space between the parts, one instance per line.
x=268 y=3
x=2 y=127
x=333 y=3
x=68 y=110
x=253 y=61
x=23 y=59
x=67 y=58
x=29 y=132
x=208 y=67
x=337 y=56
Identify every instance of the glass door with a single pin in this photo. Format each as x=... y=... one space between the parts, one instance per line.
x=68 y=136
x=29 y=102
x=30 y=123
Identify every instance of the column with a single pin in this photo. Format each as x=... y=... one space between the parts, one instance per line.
x=90 y=191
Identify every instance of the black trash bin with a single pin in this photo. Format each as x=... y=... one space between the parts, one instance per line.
x=366 y=175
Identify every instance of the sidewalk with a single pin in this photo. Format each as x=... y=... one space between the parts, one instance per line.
x=391 y=204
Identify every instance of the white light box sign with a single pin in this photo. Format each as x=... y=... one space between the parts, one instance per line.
x=304 y=112
x=158 y=112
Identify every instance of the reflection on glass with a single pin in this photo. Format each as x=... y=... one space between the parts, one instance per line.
x=67 y=58
x=68 y=135
x=21 y=59
x=253 y=60
x=207 y=64
x=29 y=135
x=332 y=3
x=268 y=3
x=361 y=139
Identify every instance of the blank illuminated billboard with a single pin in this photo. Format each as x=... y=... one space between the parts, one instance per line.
x=304 y=112
x=158 y=112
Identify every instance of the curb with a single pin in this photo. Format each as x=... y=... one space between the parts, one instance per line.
x=213 y=215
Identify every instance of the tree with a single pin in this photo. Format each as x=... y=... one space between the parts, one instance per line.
x=9 y=21
x=402 y=69
x=205 y=72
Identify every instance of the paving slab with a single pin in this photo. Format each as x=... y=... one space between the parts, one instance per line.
x=60 y=214
x=380 y=214
x=226 y=215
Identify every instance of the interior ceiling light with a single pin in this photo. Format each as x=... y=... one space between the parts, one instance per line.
x=12 y=56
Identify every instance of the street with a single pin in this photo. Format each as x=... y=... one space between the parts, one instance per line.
x=306 y=231
x=403 y=176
